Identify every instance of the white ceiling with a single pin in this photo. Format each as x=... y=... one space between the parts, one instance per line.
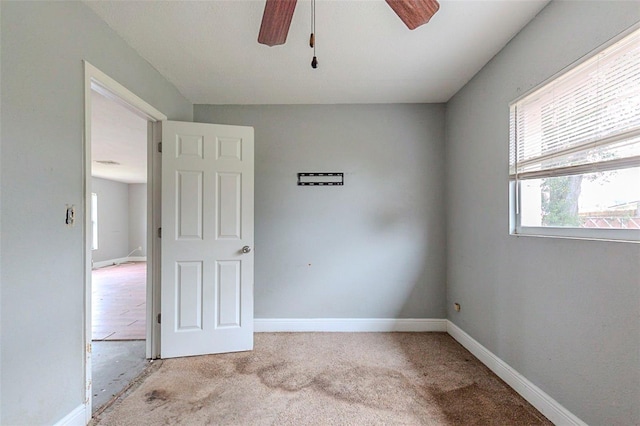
x=119 y=135
x=209 y=49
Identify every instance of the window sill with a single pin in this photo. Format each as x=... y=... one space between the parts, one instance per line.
x=608 y=235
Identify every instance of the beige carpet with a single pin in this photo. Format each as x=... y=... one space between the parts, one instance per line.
x=327 y=379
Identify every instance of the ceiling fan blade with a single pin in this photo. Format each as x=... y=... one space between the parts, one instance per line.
x=276 y=20
x=414 y=12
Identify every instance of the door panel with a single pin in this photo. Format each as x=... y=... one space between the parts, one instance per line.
x=189 y=296
x=189 y=208
x=228 y=206
x=207 y=212
x=229 y=293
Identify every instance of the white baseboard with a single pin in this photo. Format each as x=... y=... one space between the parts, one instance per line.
x=536 y=396
x=262 y=325
x=118 y=261
x=75 y=418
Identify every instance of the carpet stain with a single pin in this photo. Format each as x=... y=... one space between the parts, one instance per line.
x=281 y=375
x=476 y=405
x=211 y=368
x=323 y=379
x=369 y=386
x=252 y=364
x=156 y=395
x=205 y=402
x=285 y=376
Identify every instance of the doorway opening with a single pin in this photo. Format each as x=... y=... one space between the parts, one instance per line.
x=121 y=253
x=118 y=247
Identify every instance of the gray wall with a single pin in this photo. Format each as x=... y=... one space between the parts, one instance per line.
x=113 y=219
x=43 y=45
x=564 y=313
x=0 y=211
x=122 y=219
x=373 y=248
x=137 y=219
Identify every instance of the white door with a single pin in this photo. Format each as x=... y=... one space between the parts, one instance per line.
x=207 y=239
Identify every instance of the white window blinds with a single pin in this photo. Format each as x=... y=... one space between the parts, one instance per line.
x=586 y=120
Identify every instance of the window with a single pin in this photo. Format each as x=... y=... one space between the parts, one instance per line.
x=574 y=157
x=94 y=221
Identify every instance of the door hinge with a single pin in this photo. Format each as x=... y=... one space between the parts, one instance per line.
x=159 y=318
x=159 y=232
x=159 y=146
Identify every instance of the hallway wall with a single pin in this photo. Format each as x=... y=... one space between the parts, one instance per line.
x=42 y=114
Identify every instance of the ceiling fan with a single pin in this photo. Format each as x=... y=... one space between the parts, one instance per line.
x=277 y=15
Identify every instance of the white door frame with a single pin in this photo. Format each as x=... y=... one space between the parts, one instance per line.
x=94 y=79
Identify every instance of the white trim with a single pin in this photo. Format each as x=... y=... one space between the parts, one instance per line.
x=75 y=418
x=110 y=88
x=97 y=80
x=110 y=262
x=154 y=190
x=262 y=325
x=118 y=261
x=613 y=235
x=536 y=396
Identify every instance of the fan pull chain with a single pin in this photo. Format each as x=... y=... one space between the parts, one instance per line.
x=312 y=38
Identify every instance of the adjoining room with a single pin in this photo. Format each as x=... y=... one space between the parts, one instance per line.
x=118 y=247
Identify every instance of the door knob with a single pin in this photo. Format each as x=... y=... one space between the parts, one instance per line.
x=246 y=249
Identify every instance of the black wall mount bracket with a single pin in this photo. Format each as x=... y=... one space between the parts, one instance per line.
x=321 y=179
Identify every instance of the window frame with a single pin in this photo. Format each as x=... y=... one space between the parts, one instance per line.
x=597 y=234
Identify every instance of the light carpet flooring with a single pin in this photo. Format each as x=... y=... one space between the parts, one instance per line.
x=327 y=379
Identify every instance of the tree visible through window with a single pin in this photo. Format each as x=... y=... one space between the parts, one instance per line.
x=560 y=201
